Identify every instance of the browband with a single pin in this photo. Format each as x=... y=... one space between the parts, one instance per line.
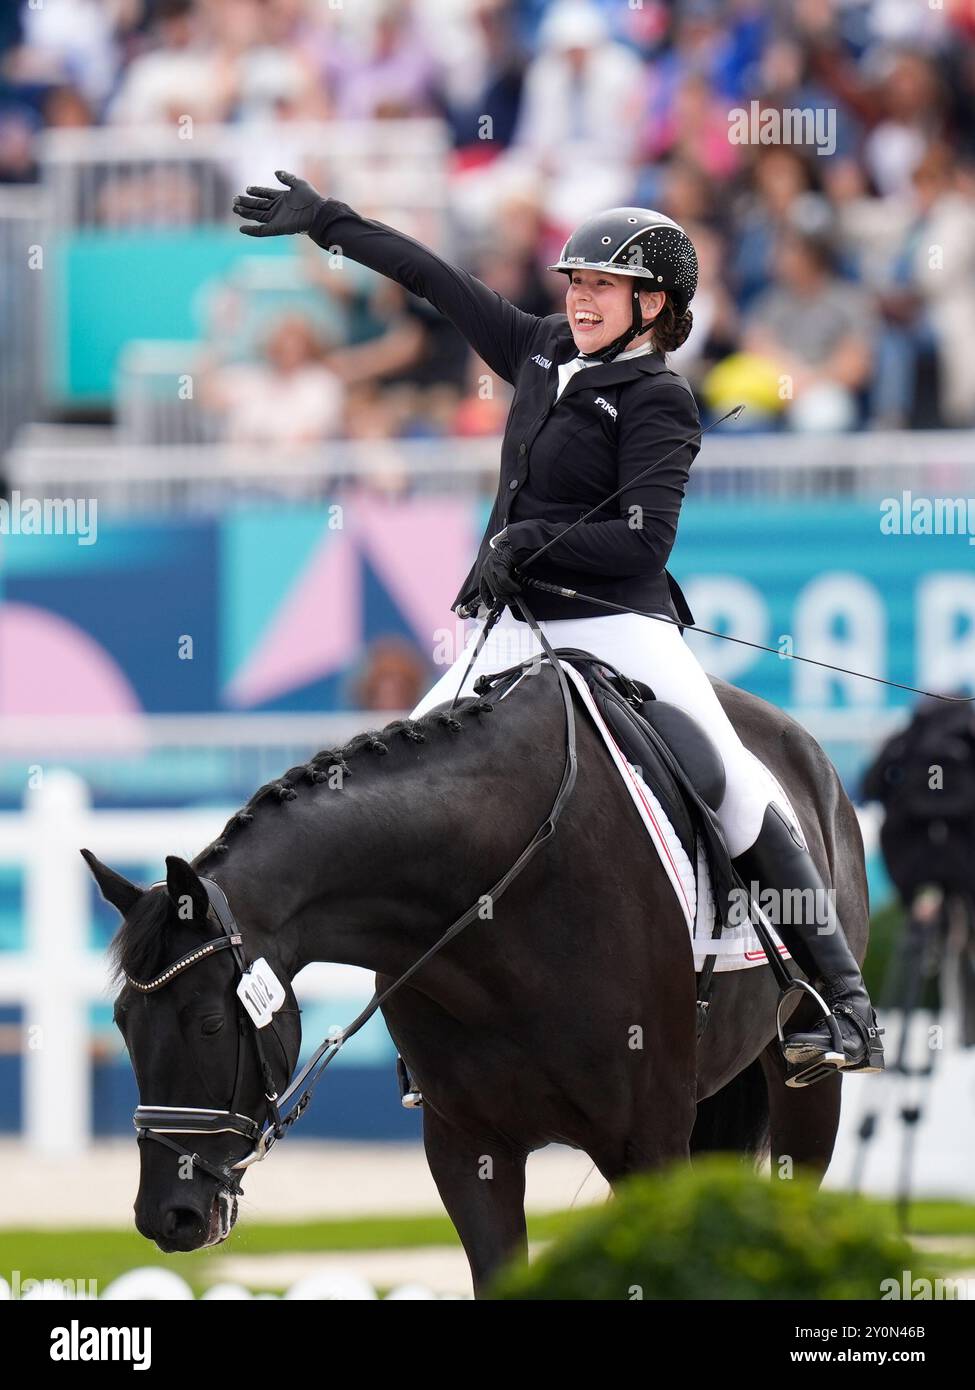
x=218 y=943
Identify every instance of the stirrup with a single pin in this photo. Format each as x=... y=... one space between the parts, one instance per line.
x=834 y=1059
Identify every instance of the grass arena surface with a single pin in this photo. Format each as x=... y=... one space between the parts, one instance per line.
x=944 y=1230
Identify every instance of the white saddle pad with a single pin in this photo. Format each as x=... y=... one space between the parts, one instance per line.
x=738 y=947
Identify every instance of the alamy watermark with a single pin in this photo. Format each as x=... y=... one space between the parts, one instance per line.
x=784 y=906
x=907 y=1287
x=49 y=516
x=908 y=515
x=767 y=125
x=50 y=1288
x=75 y=1342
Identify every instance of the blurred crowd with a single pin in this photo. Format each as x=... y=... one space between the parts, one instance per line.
x=837 y=253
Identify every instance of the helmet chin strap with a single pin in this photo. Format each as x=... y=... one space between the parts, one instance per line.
x=618 y=344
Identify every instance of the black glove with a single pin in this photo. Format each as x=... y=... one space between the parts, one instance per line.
x=279 y=211
x=499 y=580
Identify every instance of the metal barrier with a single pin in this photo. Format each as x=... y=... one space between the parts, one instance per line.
x=75 y=462
x=186 y=173
x=22 y=275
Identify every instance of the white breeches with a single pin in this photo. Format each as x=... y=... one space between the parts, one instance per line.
x=649 y=651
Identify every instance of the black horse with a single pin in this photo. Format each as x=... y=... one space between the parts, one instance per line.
x=565 y=1014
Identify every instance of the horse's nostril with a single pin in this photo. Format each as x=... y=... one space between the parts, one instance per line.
x=182 y=1223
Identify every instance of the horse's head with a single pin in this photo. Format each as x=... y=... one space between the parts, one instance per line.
x=197 y=1055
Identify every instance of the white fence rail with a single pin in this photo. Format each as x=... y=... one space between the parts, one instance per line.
x=47 y=461
x=57 y=976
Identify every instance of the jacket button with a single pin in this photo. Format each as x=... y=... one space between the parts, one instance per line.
x=523 y=450
x=513 y=484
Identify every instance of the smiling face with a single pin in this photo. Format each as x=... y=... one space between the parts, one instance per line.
x=599 y=308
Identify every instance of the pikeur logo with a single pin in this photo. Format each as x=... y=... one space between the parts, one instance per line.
x=542 y=361
x=606 y=406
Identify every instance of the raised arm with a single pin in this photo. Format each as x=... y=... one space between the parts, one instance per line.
x=497 y=330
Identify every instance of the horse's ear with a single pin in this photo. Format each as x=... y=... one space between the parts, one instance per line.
x=115 y=889
x=186 y=892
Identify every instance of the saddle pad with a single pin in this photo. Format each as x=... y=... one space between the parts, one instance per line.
x=738 y=947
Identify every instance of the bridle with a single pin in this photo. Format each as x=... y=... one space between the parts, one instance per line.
x=158 y=1122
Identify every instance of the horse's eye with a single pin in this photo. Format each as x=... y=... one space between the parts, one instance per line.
x=212 y=1025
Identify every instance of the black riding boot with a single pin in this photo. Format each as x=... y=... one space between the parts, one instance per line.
x=818 y=946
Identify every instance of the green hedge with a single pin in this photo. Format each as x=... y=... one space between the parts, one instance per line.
x=717 y=1230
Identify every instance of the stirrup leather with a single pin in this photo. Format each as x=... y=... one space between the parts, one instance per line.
x=410 y=1096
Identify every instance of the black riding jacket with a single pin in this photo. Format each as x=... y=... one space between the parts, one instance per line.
x=558 y=458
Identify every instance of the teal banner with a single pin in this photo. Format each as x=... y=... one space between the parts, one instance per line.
x=293 y=608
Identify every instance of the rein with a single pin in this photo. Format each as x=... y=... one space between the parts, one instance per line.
x=726 y=637
x=157 y=1122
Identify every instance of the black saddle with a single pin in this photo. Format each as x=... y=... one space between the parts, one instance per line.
x=672 y=752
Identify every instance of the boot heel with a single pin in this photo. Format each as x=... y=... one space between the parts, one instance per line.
x=874 y=1060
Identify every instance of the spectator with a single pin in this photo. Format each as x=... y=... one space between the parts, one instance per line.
x=266 y=73
x=817 y=330
x=291 y=398
x=484 y=408
x=73 y=42
x=870 y=234
x=687 y=194
x=716 y=326
x=181 y=74
x=787 y=81
x=486 y=81
x=394 y=677
x=592 y=103
x=390 y=72
x=65 y=108
x=17 y=160
x=780 y=177
x=941 y=257
x=696 y=130
x=579 y=121
x=913 y=99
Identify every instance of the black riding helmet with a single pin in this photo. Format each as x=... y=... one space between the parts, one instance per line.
x=637 y=242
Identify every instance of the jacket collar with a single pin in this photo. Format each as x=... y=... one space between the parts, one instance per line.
x=603 y=373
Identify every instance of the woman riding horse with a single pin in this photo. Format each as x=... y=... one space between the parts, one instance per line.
x=594 y=405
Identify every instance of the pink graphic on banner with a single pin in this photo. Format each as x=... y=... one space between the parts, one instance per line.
x=52 y=670
x=316 y=630
x=421 y=551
